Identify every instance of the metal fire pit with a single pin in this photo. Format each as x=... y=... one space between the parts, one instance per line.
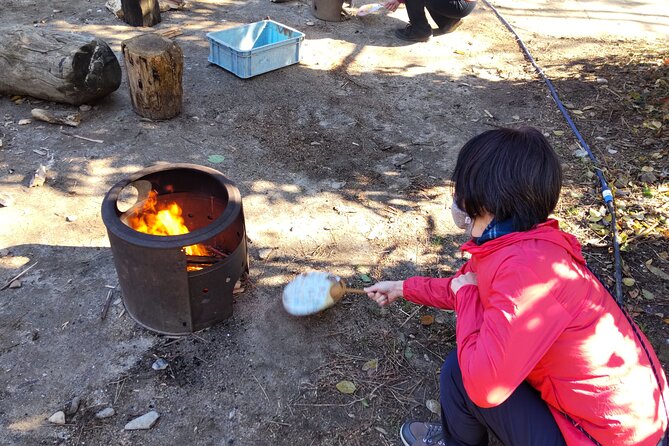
x=158 y=290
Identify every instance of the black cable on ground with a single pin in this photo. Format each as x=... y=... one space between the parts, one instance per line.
x=606 y=190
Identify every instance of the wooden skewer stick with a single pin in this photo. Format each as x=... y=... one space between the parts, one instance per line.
x=354 y=291
x=9 y=282
x=339 y=288
x=105 y=309
x=99 y=141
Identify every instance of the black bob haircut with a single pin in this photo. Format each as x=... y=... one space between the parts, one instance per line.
x=509 y=173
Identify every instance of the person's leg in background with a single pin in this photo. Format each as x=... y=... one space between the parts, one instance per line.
x=418 y=29
x=445 y=13
x=448 y=13
x=524 y=418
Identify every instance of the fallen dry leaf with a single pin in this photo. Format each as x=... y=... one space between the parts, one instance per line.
x=426 y=320
x=372 y=364
x=657 y=271
x=433 y=406
x=346 y=387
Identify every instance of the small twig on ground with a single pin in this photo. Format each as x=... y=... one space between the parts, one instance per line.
x=9 y=282
x=119 y=388
x=410 y=316
x=643 y=232
x=99 y=141
x=6 y=349
x=612 y=91
x=333 y=364
x=495 y=125
x=105 y=309
x=29 y=48
x=81 y=431
x=438 y=356
x=173 y=341
x=330 y=404
x=199 y=338
x=261 y=387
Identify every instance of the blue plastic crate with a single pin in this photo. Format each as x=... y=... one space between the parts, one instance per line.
x=256 y=48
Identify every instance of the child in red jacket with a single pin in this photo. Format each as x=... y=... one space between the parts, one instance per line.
x=544 y=356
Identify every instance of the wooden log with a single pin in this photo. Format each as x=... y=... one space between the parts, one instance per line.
x=141 y=12
x=154 y=66
x=56 y=66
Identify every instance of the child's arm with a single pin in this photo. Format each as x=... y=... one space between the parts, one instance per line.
x=429 y=291
x=437 y=293
x=433 y=292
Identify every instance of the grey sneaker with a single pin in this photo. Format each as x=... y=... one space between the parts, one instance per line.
x=417 y=433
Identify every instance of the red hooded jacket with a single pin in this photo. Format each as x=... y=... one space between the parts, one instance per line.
x=539 y=315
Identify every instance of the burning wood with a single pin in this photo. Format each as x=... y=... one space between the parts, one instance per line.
x=165 y=219
x=203 y=259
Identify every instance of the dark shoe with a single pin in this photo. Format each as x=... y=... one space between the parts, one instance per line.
x=412 y=35
x=446 y=29
x=416 y=433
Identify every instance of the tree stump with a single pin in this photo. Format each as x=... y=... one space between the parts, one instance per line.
x=329 y=10
x=61 y=67
x=141 y=12
x=155 y=66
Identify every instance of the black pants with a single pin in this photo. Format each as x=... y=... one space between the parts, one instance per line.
x=445 y=13
x=523 y=419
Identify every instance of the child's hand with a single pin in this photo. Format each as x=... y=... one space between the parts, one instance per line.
x=392 y=5
x=463 y=280
x=387 y=292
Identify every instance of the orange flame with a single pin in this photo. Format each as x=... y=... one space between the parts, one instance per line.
x=163 y=219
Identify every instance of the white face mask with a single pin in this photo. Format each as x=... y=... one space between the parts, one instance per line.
x=461 y=219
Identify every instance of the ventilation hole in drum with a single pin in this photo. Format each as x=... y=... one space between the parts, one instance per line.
x=205 y=290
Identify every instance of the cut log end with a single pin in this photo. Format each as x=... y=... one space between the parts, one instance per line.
x=55 y=66
x=147 y=45
x=96 y=68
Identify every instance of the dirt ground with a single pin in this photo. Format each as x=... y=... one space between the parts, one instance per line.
x=343 y=164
